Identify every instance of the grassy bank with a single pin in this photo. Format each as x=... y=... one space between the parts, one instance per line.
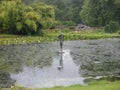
x=101 y=85
x=96 y=85
x=50 y=36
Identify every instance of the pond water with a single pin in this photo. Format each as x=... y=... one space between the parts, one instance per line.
x=41 y=65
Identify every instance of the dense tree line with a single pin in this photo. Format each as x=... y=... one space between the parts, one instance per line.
x=30 y=16
x=17 y=18
x=65 y=10
x=100 y=12
x=89 y=12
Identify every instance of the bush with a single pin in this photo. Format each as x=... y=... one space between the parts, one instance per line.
x=118 y=32
x=112 y=27
x=68 y=23
x=18 y=18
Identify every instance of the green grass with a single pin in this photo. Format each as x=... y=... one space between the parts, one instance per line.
x=53 y=36
x=96 y=85
x=101 y=85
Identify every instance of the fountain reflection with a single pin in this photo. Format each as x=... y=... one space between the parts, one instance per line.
x=60 y=67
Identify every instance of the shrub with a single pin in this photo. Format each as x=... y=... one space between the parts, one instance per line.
x=112 y=27
x=18 y=18
x=118 y=32
x=68 y=23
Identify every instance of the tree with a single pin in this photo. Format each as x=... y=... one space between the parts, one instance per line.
x=17 y=18
x=117 y=11
x=65 y=10
x=98 y=13
x=76 y=8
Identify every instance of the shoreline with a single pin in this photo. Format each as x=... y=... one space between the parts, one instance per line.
x=16 y=39
x=95 y=85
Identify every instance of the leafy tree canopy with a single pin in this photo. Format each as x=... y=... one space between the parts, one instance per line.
x=17 y=18
x=65 y=10
x=100 y=13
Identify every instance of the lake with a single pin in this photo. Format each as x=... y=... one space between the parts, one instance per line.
x=41 y=65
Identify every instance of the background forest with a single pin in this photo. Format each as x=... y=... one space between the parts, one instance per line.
x=31 y=16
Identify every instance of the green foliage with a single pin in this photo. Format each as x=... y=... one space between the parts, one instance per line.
x=31 y=25
x=63 y=23
x=112 y=27
x=85 y=12
x=47 y=14
x=99 y=13
x=17 y=18
x=118 y=32
x=19 y=26
x=65 y=10
x=68 y=23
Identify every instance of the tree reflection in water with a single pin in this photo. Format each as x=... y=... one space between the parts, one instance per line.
x=14 y=57
x=98 y=58
x=5 y=80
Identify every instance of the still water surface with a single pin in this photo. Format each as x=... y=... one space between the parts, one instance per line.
x=40 y=65
x=59 y=73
